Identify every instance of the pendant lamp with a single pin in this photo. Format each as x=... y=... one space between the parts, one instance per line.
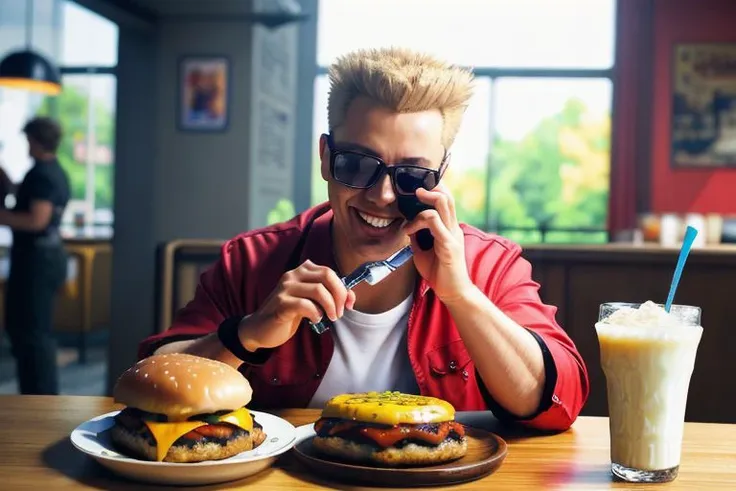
x=28 y=70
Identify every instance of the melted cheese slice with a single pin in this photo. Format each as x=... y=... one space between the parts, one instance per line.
x=240 y=418
x=167 y=433
x=391 y=408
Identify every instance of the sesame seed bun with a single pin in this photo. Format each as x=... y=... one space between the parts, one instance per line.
x=390 y=429
x=388 y=408
x=179 y=386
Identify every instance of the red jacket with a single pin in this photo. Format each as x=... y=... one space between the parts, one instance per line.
x=288 y=376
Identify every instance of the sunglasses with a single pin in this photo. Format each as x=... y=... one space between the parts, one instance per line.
x=360 y=170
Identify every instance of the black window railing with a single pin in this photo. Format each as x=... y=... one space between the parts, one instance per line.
x=542 y=234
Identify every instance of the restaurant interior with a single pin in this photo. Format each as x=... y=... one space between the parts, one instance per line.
x=599 y=130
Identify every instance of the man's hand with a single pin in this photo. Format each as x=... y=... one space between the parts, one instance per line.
x=443 y=266
x=306 y=291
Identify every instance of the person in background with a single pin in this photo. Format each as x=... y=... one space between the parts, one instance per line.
x=38 y=260
x=6 y=184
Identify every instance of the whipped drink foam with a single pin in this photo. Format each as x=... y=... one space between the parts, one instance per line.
x=647 y=356
x=648 y=314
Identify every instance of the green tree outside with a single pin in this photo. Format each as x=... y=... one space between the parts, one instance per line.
x=557 y=176
x=71 y=108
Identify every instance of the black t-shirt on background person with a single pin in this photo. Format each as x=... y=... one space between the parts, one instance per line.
x=46 y=181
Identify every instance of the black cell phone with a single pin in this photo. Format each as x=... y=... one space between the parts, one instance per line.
x=410 y=207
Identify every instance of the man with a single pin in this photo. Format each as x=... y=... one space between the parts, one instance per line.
x=463 y=321
x=38 y=261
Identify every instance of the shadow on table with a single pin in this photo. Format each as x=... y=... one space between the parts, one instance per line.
x=485 y=420
x=67 y=460
x=564 y=475
x=289 y=464
x=64 y=458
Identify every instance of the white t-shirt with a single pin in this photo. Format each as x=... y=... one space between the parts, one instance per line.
x=370 y=355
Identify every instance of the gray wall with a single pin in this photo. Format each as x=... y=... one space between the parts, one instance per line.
x=134 y=242
x=202 y=177
x=171 y=184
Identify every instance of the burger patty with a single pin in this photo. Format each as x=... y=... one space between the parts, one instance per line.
x=384 y=436
x=132 y=420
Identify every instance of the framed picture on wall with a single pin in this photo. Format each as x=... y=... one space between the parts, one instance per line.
x=204 y=93
x=704 y=106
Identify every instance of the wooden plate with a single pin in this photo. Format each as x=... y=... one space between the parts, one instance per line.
x=486 y=453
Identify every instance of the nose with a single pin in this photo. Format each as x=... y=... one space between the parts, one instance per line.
x=382 y=193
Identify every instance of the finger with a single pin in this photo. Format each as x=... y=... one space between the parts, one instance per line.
x=336 y=287
x=430 y=219
x=350 y=302
x=304 y=308
x=316 y=292
x=327 y=277
x=441 y=201
x=449 y=199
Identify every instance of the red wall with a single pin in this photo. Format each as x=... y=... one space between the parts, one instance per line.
x=686 y=190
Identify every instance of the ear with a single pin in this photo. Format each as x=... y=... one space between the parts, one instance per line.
x=324 y=155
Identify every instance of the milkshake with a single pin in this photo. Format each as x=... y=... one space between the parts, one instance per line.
x=647 y=356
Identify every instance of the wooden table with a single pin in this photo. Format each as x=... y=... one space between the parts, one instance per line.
x=36 y=454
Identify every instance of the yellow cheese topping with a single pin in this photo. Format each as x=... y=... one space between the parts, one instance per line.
x=389 y=408
x=240 y=418
x=167 y=433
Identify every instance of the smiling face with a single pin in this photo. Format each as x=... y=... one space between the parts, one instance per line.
x=367 y=221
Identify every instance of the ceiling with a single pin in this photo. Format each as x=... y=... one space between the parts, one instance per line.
x=270 y=13
x=179 y=7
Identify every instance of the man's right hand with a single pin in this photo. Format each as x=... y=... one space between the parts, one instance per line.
x=304 y=292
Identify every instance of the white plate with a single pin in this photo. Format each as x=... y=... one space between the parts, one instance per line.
x=91 y=438
x=303 y=432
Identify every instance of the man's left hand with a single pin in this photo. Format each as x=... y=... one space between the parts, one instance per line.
x=443 y=266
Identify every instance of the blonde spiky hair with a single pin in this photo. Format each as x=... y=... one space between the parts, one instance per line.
x=402 y=80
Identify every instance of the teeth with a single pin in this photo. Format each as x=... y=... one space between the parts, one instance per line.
x=375 y=221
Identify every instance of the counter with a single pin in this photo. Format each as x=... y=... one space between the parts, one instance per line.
x=578 y=278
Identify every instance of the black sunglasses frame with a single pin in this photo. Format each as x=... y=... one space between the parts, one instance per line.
x=383 y=168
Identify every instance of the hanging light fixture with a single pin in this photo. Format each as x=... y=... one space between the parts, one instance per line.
x=28 y=70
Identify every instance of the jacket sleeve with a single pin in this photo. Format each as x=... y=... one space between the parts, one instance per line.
x=218 y=299
x=566 y=378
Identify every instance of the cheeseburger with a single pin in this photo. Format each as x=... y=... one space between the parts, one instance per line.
x=183 y=408
x=390 y=429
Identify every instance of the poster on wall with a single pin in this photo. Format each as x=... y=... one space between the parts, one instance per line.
x=203 y=93
x=704 y=106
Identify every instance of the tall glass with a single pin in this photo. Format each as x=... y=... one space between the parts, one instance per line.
x=648 y=368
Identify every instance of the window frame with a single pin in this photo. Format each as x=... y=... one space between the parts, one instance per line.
x=89 y=70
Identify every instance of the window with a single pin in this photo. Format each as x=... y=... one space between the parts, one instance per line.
x=532 y=157
x=17 y=106
x=81 y=25
x=86 y=111
x=550 y=165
